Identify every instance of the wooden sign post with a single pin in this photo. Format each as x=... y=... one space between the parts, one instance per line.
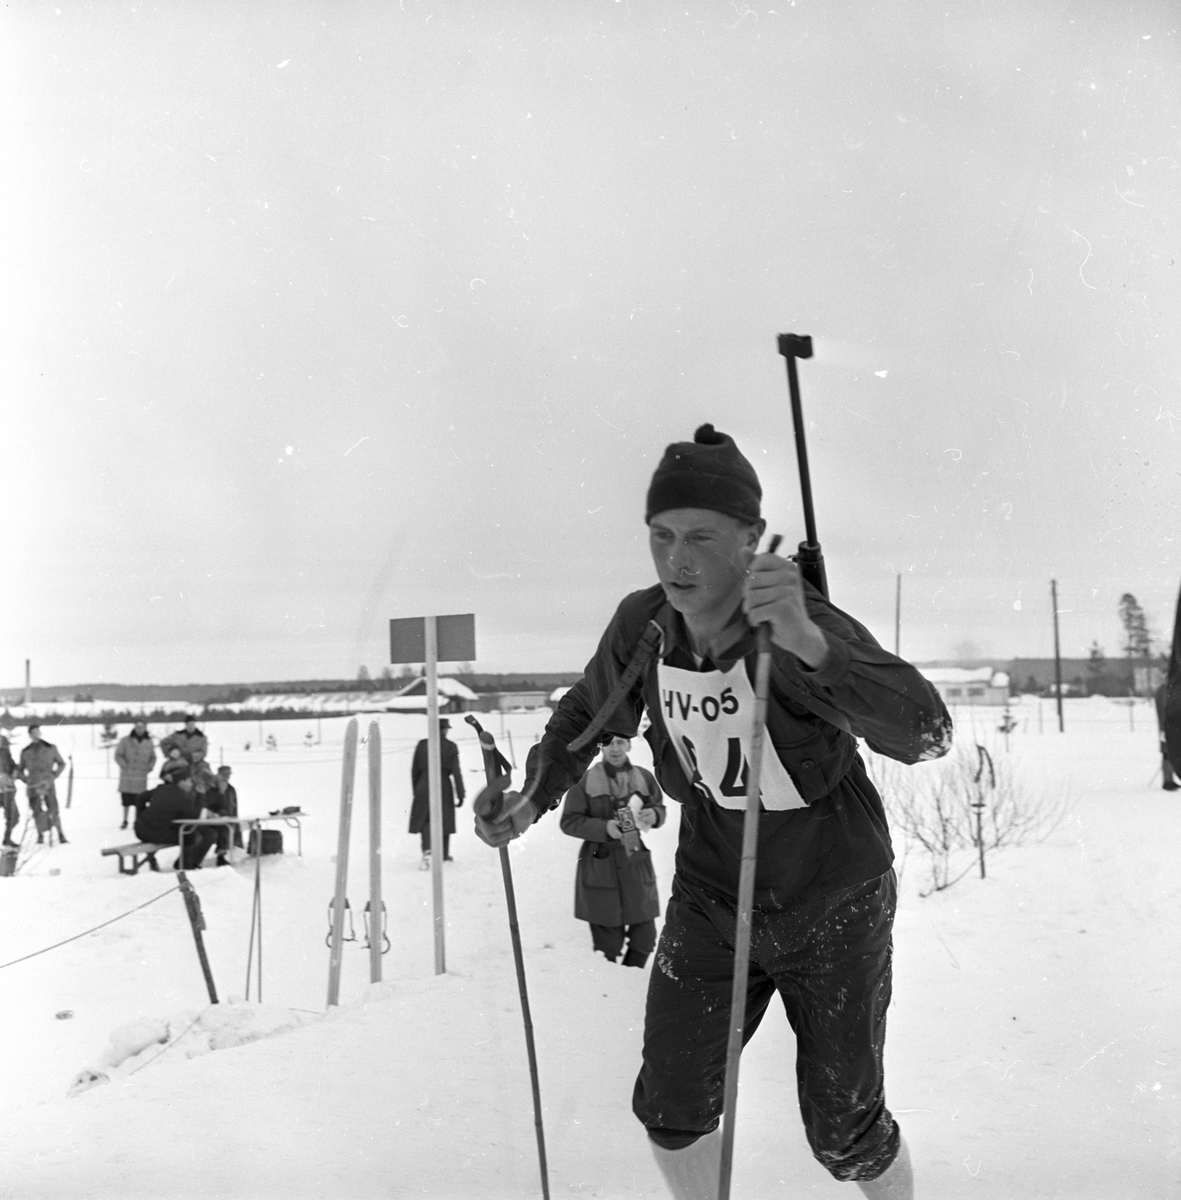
x=431 y=640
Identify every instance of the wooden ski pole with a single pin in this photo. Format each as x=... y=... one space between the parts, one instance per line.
x=197 y=921
x=348 y=770
x=494 y=763
x=746 y=892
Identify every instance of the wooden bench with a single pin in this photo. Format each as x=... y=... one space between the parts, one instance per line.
x=138 y=853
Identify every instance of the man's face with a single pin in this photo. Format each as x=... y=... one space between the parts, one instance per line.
x=701 y=558
x=615 y=751
x=35 y=733
x=190 y=726
x=185 y=784
x=223 y=777
x=140 y=728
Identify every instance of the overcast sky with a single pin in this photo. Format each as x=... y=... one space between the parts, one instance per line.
x=317 y=315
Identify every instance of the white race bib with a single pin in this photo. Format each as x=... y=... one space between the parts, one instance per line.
x=709 y=717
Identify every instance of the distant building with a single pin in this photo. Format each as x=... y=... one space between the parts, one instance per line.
x=968 y=685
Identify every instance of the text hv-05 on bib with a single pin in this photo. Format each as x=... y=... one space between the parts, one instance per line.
x=709 y=716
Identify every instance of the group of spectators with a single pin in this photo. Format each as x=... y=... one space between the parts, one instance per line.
x=188 y=790
x=39 y=765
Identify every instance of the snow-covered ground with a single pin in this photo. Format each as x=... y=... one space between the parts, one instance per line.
x=1033 y=1041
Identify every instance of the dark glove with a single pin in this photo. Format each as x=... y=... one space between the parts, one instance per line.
x=502 y=815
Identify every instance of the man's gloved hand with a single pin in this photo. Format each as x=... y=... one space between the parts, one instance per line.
x=502 y=816
x=613 y=830
x=646 y=818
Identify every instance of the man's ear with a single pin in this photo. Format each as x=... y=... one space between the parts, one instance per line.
x=755 y=533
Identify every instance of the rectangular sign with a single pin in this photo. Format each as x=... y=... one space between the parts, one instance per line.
x=456 y=634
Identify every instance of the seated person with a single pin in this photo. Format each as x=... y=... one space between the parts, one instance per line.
x=222 y=800
x=202 y=773
x=167 y=804
x=175 y=764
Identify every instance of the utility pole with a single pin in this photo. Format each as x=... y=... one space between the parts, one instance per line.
x=28 y=682
x=1057 y=655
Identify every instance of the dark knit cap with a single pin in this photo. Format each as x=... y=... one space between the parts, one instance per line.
x=708 y=472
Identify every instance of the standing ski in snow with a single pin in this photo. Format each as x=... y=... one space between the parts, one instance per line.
x=615 y=886
x=135 y=756
x=40 y=765
x=420 y=808
x=825 y=888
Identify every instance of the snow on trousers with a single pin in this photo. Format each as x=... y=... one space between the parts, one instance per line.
x=830 y=961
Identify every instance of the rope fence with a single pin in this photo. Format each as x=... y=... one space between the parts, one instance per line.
x=66 y=941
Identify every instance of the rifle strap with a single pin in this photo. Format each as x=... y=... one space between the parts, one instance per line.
x=648 y=645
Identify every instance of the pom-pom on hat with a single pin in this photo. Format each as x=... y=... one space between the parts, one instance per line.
x=708 y=472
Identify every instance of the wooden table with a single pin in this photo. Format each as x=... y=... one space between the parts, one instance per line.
x=249 y=823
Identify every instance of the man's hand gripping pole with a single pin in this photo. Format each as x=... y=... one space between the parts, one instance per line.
x=496 y=811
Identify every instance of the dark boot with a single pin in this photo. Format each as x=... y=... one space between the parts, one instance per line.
x=634 y=958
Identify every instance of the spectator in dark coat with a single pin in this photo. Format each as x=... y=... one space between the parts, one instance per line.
x=135 y=756
x=8 y=776
x=167 y=804
x=420 y=809
x=187 y=740
x=615 y=886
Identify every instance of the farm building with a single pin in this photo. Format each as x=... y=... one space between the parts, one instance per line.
x=968 y=685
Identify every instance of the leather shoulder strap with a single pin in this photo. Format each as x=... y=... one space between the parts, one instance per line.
x=648 y=645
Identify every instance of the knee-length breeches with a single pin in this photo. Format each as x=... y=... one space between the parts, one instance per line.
x=830 y=961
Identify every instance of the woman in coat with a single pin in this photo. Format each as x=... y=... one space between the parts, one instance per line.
x=615 y=886
x=135 y=756
x=420 y=808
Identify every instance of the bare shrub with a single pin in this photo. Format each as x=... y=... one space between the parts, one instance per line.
x=956 y=809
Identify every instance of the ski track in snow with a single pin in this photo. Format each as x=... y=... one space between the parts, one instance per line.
x=1032 y=1046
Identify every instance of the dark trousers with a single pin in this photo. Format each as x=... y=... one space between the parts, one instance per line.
x=197 y=842
x=11 y=812
x=641 y=941
x=426 y=841
x=42 y=799
x=829 y=960
x=132 y=800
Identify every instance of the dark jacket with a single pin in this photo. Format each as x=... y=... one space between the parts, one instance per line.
x=420 y=808
x=187 y=743
x=840 y=837
x=165 y=805
x=8 y=769
x=225 y=804
x=611 y=887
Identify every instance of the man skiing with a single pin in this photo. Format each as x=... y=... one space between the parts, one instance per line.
x=40 y=765
x=824 y=890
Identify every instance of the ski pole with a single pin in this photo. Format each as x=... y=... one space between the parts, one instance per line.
x=809 y=556
x=746 y=892
x=496 y=772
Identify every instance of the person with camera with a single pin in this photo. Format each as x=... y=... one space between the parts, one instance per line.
x=614 y=884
